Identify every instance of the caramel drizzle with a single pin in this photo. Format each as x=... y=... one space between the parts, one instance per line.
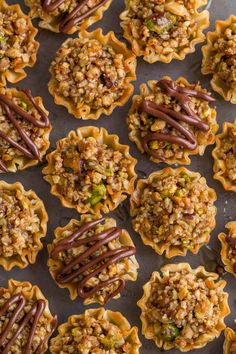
x=35 y=313
x=72 y=18
x=173 y=118
x=9 y=107
x=68 y=274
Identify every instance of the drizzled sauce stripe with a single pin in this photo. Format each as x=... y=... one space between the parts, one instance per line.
x=73 y=17
x=70 y=274
x=173 y=118
x=9 y=107
x=34 y=313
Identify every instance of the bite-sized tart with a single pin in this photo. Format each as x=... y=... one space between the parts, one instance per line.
x=67 y=16
x=173 y=211
x=230 y=341
x=23 y=223
x=162 y=30
x=228 y=247
x=225 y=157
x=171 y=120
x=219 y=58
x=26 y=323
x=96 y=331
x=183 y=308
x=92 y=258
x=90 y=170
x=91 y=74
x=24 y=129
x=18 y=47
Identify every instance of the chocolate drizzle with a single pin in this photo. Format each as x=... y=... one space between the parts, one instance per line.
x=71 y=272
x=173 y=118
x=33 y=314
x=73 y=17
x=9 y=107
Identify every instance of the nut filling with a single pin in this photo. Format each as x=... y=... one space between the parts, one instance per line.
x=91 y=74
x=92 y=259
x=90 y=170
x=173 y=211
x=172 y=119
x=219 y=58
x=24 y=326
x=228 y=250
x=96 y=331
x=24 y=129
x=23 y=221
x=225 y=156
x=183 y=308
x=162 y=29
x=17 y=45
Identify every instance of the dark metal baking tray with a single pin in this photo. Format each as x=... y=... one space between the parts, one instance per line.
x=63 y=122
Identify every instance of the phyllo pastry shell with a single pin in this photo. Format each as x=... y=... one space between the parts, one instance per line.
x=18 y=46
x=24 y=129
x=164 y=30
x=170 y=120
x=228 y=247
x=100 y=330
x=173 y=211
x=219 y=58
x=225 y=157
x=23 y=224
x=26 y=323
x=67 y=16
x=91 y=74
x=92 y=258
x=183 y=308
x=90 y=171
x=230 y=341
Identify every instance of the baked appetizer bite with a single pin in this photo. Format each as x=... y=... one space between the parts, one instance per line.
x=91 y=74
x=96 y=331
x=228 y=248
x=67 y=16
x=171 y=120
x=219 y=58
x=23 y=223
x=18 y=47
x=26 y=323
x=224 y=156
x=92 y=258
x=230 y=341
x=90 y=171
x=183 y=308
x=24 y=129
x=173 y=211
x=162 y=30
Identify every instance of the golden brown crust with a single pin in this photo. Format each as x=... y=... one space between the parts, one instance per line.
x=21 y=162
x=169 y=249
x=220 y=168
x=28 y=255
x=147 y=49
x=112 y=141
x=152 y=331
x=203 y=139
x=50 y=22
x=19 y=73
x=130 y=334
x=217 y=83
x=84 y=111
x=230 y=341
x=230 y=265
x=56 y=265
